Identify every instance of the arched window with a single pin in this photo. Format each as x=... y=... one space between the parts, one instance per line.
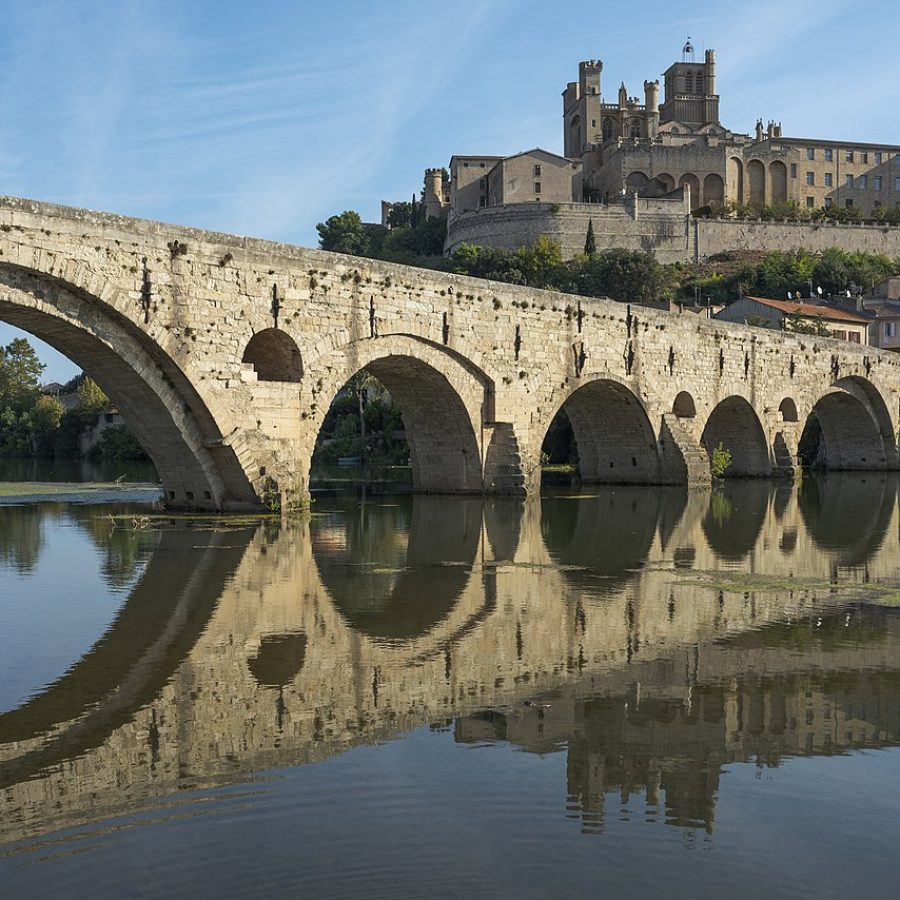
x=698 y=84
x=689 y=83
x=635 y=128
x=274 y=356
x=607 y=128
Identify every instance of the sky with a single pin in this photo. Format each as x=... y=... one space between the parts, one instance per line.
x=265 y=118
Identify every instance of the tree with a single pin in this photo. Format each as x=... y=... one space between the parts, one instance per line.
x=800 y=324
x=43 y=423
x=343 y=233
x=590 y=242
x=20 y=373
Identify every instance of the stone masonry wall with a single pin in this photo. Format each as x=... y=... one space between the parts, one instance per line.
x=161 y=315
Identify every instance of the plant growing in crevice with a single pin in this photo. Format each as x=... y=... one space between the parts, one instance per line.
x=720 y=461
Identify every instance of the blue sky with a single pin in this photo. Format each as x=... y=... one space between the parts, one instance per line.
x=265 y=118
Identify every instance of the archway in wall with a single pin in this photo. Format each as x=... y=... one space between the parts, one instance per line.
x=637 y=181
x=735 y=425
x=849 y=429
x=684 y=406
x=713 y=190
x=735 y=176
x=163 y=409
x=274 y=356
x=756 y=178
x=692 y=182
x=400 y=409
x=778 y=181
x=613 y=438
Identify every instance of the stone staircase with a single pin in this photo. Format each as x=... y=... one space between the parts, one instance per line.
x=681 y=453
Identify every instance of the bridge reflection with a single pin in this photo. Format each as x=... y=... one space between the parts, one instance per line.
x=653 y=635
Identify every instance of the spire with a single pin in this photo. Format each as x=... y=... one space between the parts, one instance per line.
x=623 y=95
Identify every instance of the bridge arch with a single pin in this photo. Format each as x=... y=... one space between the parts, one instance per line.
x=443 y=398
x=856 y=429
x=734 y=424
x=168 y=416
x=613 y=433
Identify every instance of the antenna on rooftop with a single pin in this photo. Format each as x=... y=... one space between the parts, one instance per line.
x=687 y=52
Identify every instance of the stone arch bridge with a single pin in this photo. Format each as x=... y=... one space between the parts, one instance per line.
x=225 y=353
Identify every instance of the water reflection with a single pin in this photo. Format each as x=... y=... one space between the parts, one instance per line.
x=654 y=636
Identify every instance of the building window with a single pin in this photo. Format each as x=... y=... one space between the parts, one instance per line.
x=593 y=123
x=482 y=200
x=810 y=177
x=877 y=204
x=482 y=183
x=537 y=187
x=890 y=329
x=829 y=155
x=793 y=170
x=607 y=128
x=864 y=157
x=878 y=158
x=810 y=202
x=828 y=202
x=689 y=83
x=863 y=182
x=699 y=83
x=829 y=179
x=537 y=171
x=896 y=183
x=848 y=204
x=810 y=152
x=876 y=182
x=848 y=181
x=849 y=156
x=853 y=337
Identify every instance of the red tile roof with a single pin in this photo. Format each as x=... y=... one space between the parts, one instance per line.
x=812 y=310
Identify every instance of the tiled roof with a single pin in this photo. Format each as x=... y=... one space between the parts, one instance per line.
x=812 y=310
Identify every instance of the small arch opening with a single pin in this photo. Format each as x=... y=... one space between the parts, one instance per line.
x=684 y=406
x=788 y=410
x=274 y=356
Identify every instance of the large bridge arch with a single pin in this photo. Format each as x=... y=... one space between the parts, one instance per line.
x=613 y=432
x=856 y=429
x=164 y=409
x=735 y=425
x=445 y=401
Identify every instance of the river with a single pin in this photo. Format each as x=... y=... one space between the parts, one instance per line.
x=606 y=691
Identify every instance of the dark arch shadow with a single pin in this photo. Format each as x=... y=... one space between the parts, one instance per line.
x=127 y=668
x=390 y=592
x=616 y=442
x=684 y=406
x=856 y=430
x=735 y=516
x=848 y=514
x=274 y=356
x=162 y=407
x=735 y=425
x=601 y=542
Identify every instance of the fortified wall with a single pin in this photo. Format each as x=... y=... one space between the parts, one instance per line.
x=660 y=226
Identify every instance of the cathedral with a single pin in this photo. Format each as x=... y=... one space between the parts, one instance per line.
x=625 y=148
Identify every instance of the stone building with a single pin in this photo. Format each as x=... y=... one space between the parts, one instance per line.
x=617 y=149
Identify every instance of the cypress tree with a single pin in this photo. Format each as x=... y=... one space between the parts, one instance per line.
x=590 y=242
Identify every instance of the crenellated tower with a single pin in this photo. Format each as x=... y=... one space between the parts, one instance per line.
x=581 y=109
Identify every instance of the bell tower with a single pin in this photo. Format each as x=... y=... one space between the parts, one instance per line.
x=690 y=90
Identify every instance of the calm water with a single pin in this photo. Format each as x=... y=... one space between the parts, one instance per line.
x=610 y=692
